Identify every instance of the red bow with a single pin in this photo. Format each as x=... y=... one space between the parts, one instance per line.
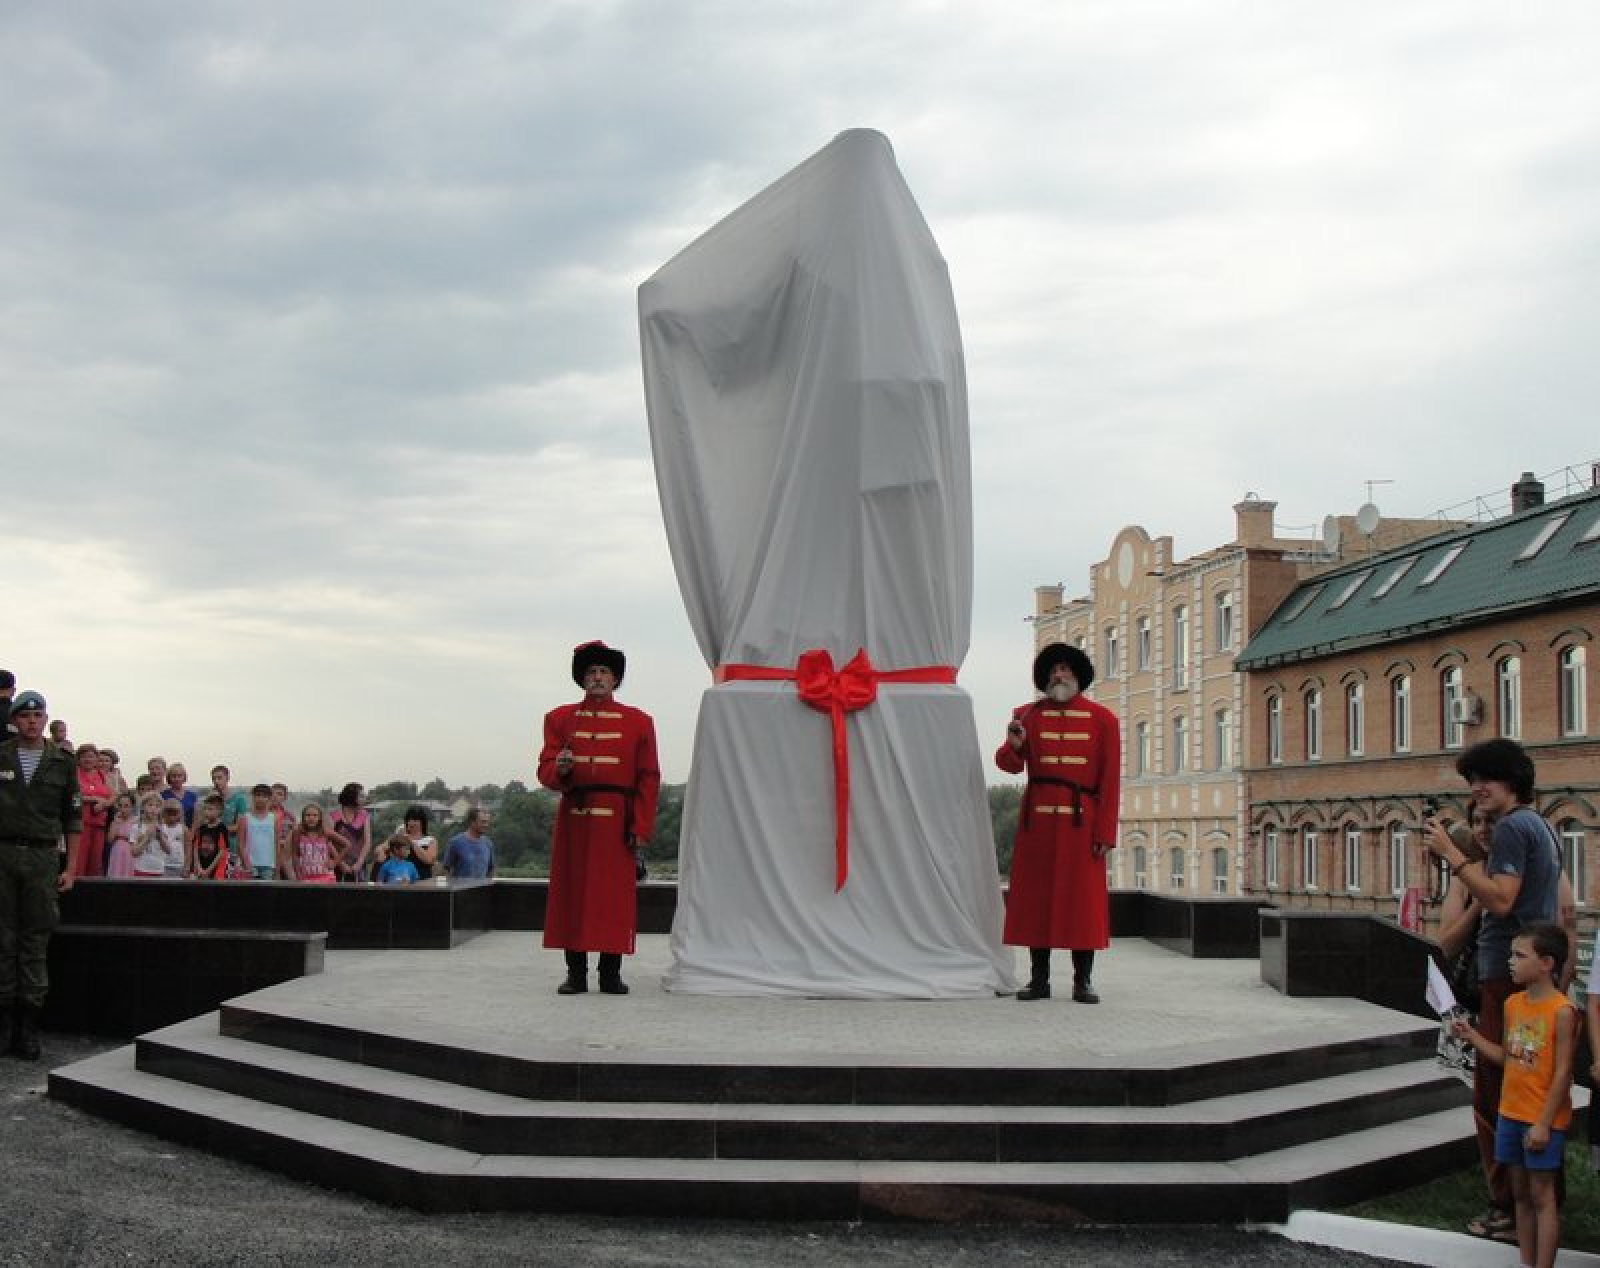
x=836 y=693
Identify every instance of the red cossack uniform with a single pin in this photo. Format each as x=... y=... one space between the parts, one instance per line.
x=608 y=801
x=1073 y=755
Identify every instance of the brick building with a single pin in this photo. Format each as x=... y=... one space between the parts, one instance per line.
x=1368 y=680
x=1163 y=633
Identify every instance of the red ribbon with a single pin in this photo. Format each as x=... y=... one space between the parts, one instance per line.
x=836 y=693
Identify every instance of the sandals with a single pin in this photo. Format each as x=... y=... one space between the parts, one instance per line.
x=1495 y=1225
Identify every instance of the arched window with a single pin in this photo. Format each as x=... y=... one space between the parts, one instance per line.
x=1572 y=842
x=1275 y=729
x=1572 y=665
x=1399 y=859
x=1179 y=759
x=1141 y=748
x=1178 y=882
x=1508 y=696
x=1141 y=863
x=1111 y=658
x=1314 y=725
x=1452 y=704
x=1355 y=719
x=1308 y=858
x=1400 y=713
x=1219 y=870
x=1270 y=861
x=1222 y=738
x=1224 y=620
x=1352 y=858
x=1141 y=643
x=1180 y=647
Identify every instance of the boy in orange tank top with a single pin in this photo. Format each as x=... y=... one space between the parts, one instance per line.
x=1541 y=1028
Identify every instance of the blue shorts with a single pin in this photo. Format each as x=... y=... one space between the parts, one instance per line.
x=1509 y=1147
x=263 y=873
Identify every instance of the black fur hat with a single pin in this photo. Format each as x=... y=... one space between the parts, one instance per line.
x=1074 y=658
x=597 y=653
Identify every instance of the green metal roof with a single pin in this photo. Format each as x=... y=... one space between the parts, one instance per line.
x=1457 y=578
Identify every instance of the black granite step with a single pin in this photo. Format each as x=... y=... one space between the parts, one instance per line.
x=429 y=1176
x=567 y=1074
x=471 y=1118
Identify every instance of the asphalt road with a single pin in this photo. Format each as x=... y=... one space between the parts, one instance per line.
x=79 y=1190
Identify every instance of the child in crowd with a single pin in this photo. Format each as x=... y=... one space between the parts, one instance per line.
x=351 y=823
x=149 y=854
x=258 y=836
x=209 y=851
x=311 y=851
x=1541 y=1028
x=173 y=839
x=398 y=868
x=285 y=818
x=119 y=851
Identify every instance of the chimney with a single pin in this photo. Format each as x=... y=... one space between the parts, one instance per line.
x=1527 y=493
x=1046 y=599
x=1253 y=518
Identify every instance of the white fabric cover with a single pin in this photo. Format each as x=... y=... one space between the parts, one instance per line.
x=808 y=415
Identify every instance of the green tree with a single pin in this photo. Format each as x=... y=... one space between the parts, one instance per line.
x=394 y=790
x=1005 y=802
x=436 y=790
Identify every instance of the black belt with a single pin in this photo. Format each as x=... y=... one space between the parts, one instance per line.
x=1079 y=792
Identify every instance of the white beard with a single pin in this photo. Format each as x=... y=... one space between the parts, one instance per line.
x=1060 y=692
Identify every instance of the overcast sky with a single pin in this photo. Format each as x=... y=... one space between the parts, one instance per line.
x=323 y=424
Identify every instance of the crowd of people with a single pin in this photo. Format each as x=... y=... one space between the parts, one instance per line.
x=160 y=827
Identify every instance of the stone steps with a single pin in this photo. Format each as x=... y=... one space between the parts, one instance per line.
x=416 y=1120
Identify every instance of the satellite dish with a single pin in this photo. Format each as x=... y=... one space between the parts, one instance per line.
x=1330 y=534
x=1367 y=519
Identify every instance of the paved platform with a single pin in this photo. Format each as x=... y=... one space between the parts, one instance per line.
x=1159 y=1009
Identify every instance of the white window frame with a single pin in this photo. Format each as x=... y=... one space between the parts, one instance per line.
x=1141 y=641
x=1224 y=620
x=1508 y=696
x=1275 y=729
x=1141 y=866
x=1571 y=834
x=1141 y=748
x=1399 y=858
x=1220 y=870
x=1271 y=863
x=1180 y=647
x=1355 y=719
x=1222 y=737
x=1112 y=657
x=1179 y=759
x=1177 y=870
x=1313 y=705
x=1352 y=859
x=1400 y=713
x=1309 y=841
x=1452 y=734
x=1572 y=669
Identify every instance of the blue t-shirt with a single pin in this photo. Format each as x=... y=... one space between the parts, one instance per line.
x=397 y=872
x=469 y=859
x=1524 y=846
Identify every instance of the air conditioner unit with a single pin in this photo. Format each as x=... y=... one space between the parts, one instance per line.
x=1466 y=710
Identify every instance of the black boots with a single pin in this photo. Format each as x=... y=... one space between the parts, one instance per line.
x=1082 y=969
x=611 y=982
x=577 y=982
x=25 y=1033
x=1038 y=986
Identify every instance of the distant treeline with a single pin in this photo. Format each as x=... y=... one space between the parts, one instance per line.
x=524 y=817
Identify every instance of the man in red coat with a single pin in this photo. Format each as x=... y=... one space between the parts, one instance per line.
x=1067 y=824
x=600 y=755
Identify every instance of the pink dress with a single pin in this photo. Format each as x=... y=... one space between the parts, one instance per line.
x=119 y=857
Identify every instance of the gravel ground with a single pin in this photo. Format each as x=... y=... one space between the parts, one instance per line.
x=80 y=1190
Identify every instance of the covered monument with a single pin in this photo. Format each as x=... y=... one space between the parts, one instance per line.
x=808 y=415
